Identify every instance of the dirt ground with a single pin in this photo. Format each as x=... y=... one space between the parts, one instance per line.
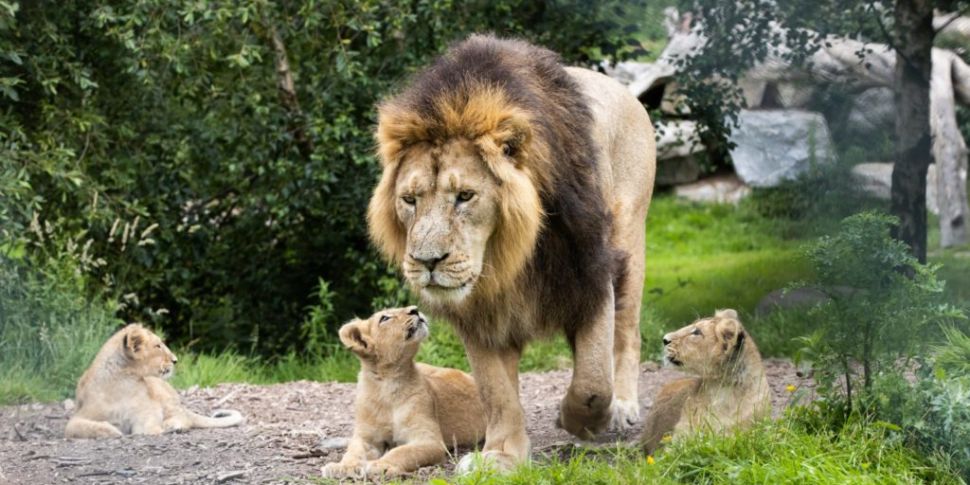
x=291 y=431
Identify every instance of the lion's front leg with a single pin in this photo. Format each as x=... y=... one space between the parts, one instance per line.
x=586 y=408
x=496 y=373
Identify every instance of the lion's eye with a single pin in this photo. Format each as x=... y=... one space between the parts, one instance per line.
x=465 y=195
x=696 y=331
x=384 y=318
x=158 y=346
x=408 y=199
x=508 y=150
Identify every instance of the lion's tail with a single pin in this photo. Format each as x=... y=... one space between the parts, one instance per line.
x=221 y=418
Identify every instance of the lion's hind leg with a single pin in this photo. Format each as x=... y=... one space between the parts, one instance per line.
x=78 y=427
x=626 y=333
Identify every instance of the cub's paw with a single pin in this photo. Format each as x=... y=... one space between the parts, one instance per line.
x=492 y=460
x=340 y=470
x=376 y=469
x=626 y=414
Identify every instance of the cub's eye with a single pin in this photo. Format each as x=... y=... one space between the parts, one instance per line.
x=465 y=195
x=158 y=346
x=508 y=150
x=408 y=199
x=384 y=318
x=696 y=331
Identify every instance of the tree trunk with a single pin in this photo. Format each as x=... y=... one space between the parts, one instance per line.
x=914 y=44
x=288 y=98
x=949 y=152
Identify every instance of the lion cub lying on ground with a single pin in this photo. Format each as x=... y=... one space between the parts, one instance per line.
x=124 y=391
x=412 y=411
x=730 y=388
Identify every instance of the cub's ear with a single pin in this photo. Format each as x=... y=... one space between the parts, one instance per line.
x=729 y=328
x=726 y=313
x=133 y=340
x=353 y=336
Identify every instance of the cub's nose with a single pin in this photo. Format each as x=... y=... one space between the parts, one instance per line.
x=666 y=340
x=429 y=261
x=175 y=359
x=413 y=311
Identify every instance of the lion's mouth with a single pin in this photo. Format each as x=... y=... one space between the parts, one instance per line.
x=674 y=362
x=419 y=324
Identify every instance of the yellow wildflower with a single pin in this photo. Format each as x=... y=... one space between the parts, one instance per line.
x=666 y=438
x=650 y=460
x=790 y=388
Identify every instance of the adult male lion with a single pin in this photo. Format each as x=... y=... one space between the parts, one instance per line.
x=513 y=196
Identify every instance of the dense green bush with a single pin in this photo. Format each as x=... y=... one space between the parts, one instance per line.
x=161 y=137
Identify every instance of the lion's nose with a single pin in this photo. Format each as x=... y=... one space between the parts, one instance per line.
x=430 y=261
x=175 y=359
x=414 y=311
x=666 y=340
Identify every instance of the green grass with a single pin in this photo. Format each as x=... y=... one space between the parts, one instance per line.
x=775 y=452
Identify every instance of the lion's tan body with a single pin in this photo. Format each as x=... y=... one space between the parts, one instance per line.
x=406 y=414
x=514 y=197
x=730 y=389
x=124 y=391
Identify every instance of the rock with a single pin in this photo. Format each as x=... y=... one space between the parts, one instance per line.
x=679 y=152
x=677 y=171
x=789 y=299
x=721 y=189
x=337 y=443
x=68 y=404
x=873 y=110
x=777 y=145
x=875 y=178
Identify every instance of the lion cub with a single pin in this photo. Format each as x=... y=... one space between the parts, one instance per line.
x=730 y=388
x=412 y=411
x=124 y=391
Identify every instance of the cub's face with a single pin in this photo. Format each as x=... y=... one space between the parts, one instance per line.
x=447 y=203
x=388 y=337
x=703 y=347
x=146 y=352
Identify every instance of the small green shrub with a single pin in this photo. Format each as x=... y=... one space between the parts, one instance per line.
x=881 y=297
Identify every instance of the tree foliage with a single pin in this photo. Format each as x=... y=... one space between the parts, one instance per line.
x=152 y=138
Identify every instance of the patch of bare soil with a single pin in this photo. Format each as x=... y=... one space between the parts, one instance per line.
x=292 y=429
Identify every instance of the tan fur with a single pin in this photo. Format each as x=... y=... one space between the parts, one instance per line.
x=124 y=391
x=491 y=238
x=415 y=410
x=730 y=389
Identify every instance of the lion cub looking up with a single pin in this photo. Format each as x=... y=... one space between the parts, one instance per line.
x=412 y=411
x=730 y=388
x=124 y=391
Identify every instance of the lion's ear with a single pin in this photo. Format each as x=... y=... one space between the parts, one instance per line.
x=355 y=338
x=729 y=329
x=133 y=340
x=726 y=313
x=513 y=134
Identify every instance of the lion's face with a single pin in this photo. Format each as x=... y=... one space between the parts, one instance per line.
x=390 y=336
x=705 y=346
x=147 y=355
x=447 y=200
x=458 y=204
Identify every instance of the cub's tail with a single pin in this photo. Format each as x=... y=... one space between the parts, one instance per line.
x=221 y=418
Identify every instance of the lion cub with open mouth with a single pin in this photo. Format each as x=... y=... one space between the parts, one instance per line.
x=729 y=387
x=406 y=413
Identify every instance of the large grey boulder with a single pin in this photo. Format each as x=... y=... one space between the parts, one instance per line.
x=773 y=146
x=873 y=110
x=875 y=178
x=679 y=153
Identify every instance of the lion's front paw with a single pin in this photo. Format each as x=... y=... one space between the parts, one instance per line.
x=377 y=469
x=340 y=470
x=625 y=414
x=584 y=417
x=492 y=460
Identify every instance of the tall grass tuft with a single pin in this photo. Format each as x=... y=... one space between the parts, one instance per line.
x=49 y=330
